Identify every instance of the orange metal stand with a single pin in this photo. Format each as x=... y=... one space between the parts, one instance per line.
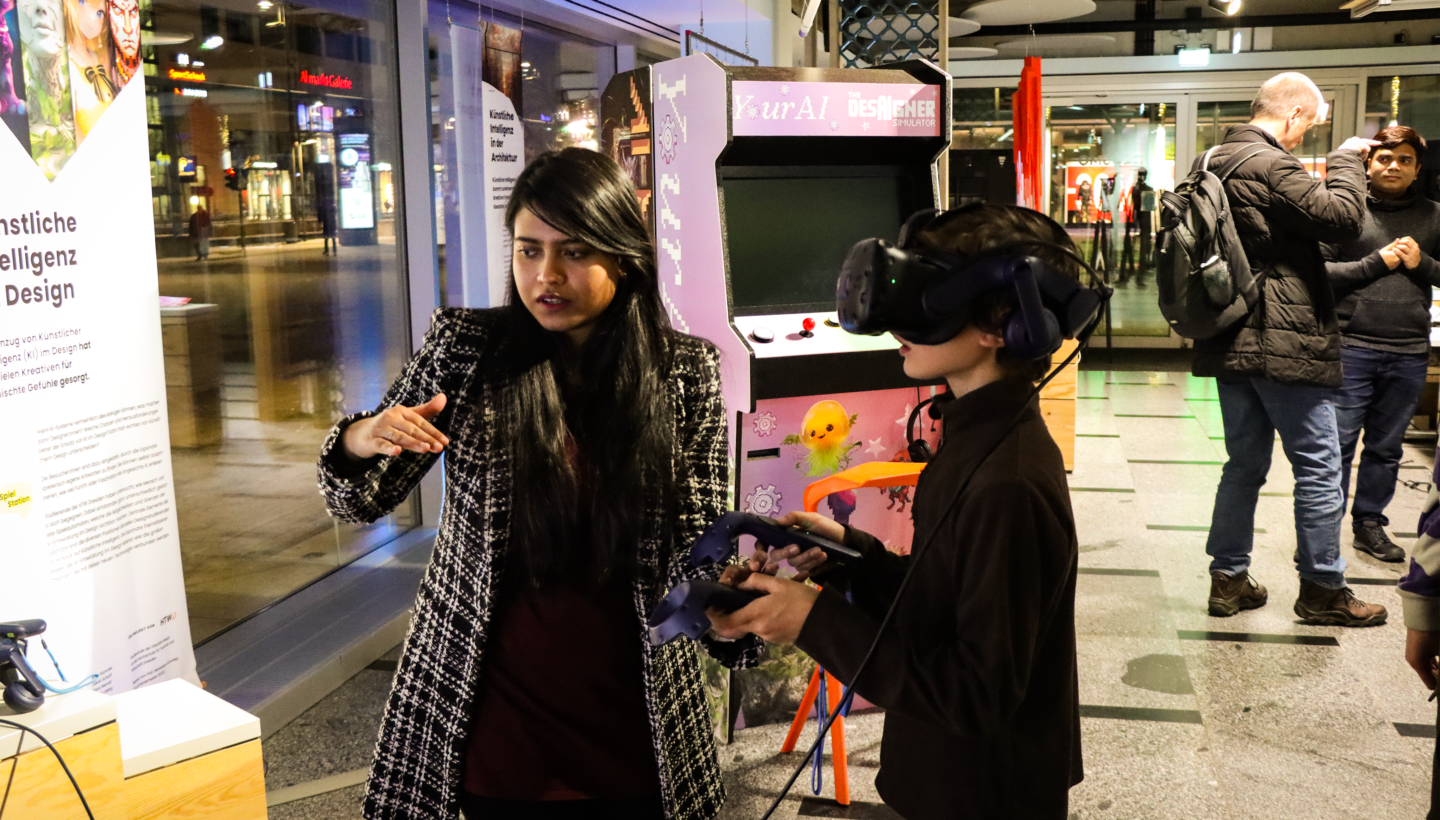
x=869 y=474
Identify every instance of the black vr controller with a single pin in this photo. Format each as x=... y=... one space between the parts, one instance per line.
x=23 y=690
x=682 y=610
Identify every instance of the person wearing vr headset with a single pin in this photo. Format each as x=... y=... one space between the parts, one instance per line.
x=977 y=673
x=585 y=451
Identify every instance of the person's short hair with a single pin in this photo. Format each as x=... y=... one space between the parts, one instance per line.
x=985 y=228
x=1281 y=93
x=1398 y=135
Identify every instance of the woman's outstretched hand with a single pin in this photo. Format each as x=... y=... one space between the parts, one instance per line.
x=395 y=429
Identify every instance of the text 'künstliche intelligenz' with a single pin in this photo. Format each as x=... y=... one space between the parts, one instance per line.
x=31 y=246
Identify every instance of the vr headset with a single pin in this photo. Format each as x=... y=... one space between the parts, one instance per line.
x=925 y=295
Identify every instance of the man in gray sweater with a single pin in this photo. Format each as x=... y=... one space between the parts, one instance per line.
x=1382 y=283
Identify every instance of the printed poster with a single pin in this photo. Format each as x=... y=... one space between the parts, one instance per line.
x=490 y=141
x=88 y=532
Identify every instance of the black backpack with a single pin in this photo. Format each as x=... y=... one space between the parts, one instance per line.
x=1205 y=281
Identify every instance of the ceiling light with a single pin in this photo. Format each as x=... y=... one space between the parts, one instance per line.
x=1227 y=7
x=212 y=42
x=265 y=5
x=1194 y=57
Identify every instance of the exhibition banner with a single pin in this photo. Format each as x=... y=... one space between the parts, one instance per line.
x=88 y=537
x=491 y=155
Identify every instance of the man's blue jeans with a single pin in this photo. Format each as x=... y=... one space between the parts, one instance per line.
x=1254 y=410
x=1379 y=397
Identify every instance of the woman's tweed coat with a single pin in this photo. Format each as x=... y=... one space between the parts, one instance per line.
x=420 y=754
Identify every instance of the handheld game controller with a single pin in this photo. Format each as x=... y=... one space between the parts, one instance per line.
x=23 y=689
x=682 y=610
x=717 y=544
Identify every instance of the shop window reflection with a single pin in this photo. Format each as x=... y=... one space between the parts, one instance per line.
x=1109 y=163
x=249 y=113
x=554 y=80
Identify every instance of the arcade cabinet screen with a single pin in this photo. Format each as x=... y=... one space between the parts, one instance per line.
x=787 y=236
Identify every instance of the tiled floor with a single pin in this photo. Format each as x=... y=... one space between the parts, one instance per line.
x=1184 y=715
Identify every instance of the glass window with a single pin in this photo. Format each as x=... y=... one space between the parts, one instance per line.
x=1109 y=163
x=1413 y=100
x=274 y=129
x=561 y=76
x=983 y=119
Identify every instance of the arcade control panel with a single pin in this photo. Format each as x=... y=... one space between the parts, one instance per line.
x=805 y=334
x=809 y=354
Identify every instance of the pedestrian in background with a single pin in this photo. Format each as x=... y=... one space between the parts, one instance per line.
x=1382 y=281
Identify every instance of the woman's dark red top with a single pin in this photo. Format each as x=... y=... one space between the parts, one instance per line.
x=560 y=713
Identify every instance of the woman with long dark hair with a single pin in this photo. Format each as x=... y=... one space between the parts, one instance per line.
x=586 y=450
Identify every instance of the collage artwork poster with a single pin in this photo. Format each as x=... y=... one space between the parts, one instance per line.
x=88 y=531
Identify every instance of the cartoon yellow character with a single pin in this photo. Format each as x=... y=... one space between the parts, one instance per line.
x=825 y=428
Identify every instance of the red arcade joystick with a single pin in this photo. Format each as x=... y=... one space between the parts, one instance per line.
x=807 y=328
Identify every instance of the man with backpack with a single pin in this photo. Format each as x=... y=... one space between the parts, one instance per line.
x=1382 y=281
x=1277 y=368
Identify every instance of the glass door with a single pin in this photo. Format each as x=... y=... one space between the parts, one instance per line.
x=1110 y=159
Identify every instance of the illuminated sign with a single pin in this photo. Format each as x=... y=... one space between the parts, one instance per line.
x=192 y=92
x=185 y=167
x=326 y=80
x=187 y=74
x=357 y=191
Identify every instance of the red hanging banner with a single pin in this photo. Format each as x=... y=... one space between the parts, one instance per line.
x=1029 y=136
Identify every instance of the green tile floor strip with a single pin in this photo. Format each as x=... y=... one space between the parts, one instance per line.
x=1257 y=637
x=1374 y=582
x=1154 y=416
x=1097 y=435
x=1426 y=730
x=1190 y=528
x=1141 y=713
x=1171 y=461
x=1100 y=490
x=1139 y=573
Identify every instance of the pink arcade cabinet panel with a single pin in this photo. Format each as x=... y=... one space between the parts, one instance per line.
x=788 y=444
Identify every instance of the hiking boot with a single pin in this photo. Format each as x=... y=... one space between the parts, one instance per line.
x=1231 y=593
x=1370 y=538
x=1335 y=607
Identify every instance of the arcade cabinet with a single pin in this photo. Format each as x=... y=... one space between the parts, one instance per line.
x=761 y=179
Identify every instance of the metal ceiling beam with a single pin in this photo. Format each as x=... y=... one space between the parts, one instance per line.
x=1181 y=24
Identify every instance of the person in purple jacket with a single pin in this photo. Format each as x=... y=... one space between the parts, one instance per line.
x=1420 y=602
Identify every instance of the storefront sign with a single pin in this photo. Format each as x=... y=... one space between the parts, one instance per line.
x=781 y=109
x=88 y=532
x=326 y=80
x=491 y=152
x=186 y=74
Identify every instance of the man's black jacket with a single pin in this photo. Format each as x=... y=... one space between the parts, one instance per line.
x=1282 y=214
x=977 y=670
x=1380 y=308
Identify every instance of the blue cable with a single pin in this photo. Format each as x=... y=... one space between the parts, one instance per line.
x=822 y=709
x=53 y=662
x=84 y=684
x=90 y=681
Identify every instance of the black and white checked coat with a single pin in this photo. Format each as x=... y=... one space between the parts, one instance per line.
x=420 y=754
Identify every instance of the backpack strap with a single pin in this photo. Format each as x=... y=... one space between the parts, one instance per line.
x=1236 y=162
